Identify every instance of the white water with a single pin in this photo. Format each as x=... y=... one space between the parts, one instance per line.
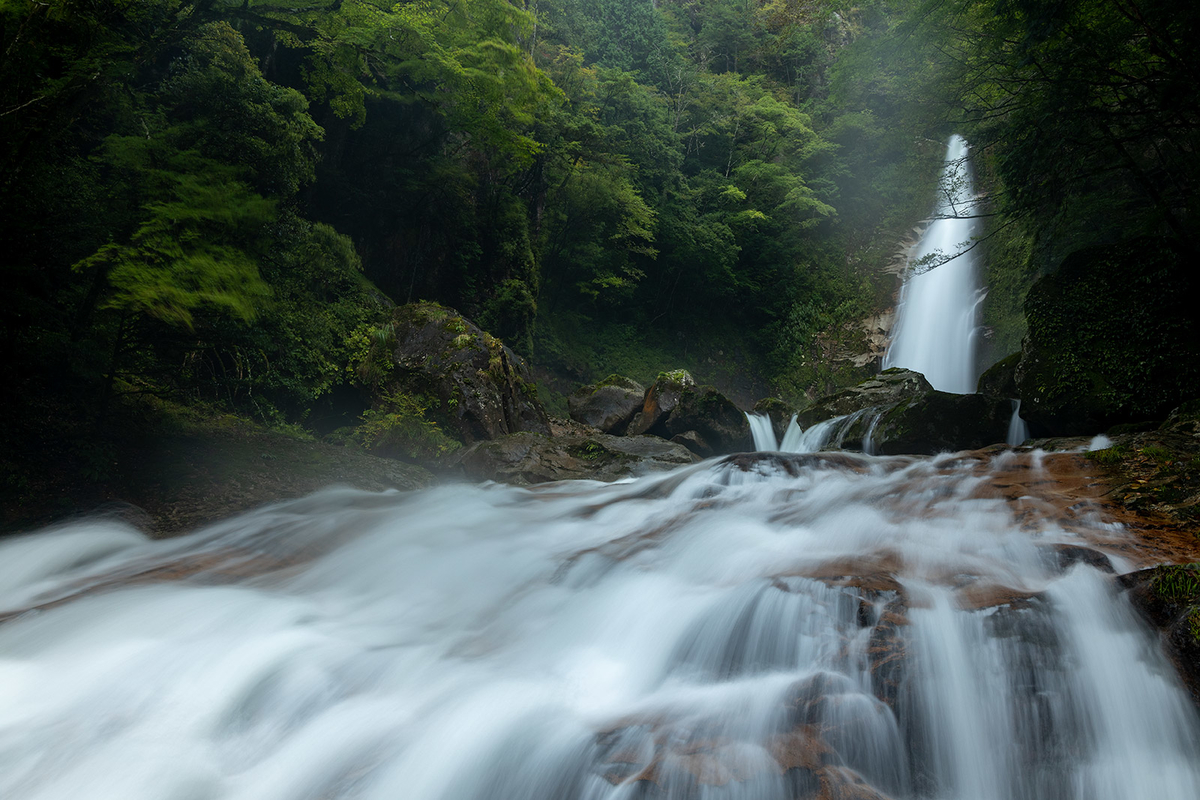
x=937 y=319
x=664 y=637
x=763 y=433
x=1018 y=429
x=825 y=435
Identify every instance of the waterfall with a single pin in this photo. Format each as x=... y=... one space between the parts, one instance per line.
x=937 y=318
x=767 y=627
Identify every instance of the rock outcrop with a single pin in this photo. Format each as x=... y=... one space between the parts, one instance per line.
x=884 y=390
x=897 y=412
x=660 y=400
x=478 y=389
x=1113 y=338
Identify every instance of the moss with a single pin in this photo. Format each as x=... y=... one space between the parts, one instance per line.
x=426 y=312
x=1112 y=338
x=589 y=450
x=1193 y=624
x=676 y=376
x=1110 y=456
x=620 y=381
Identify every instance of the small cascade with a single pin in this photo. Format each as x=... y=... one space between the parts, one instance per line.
x=937 y=320
x=826 y=435
x=791 y=436
x=1018 y=429
x=763 y=432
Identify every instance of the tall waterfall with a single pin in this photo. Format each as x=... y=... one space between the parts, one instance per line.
x=767 y=627
x=938 y=315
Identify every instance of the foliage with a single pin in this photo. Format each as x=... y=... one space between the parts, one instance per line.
x=1087 y=109
x=218 y=200
x=400 y=429
x=1177 y=583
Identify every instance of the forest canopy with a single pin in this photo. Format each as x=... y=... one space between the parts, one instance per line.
x=218 y=200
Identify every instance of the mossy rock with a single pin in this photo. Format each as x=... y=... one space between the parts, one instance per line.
x=883 y=390
x=609 y=405
x=722 y=426
x=1113 y=338
x=476 y=387
x=1000 y=379
x=661 y=399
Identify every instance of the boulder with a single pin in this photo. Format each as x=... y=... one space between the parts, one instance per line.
x=609 y=405
x=721 y=425
x=1113 y=338
x=477 y=388
x=1000 y=379
x=898 y=413
x=660 y=400
x=699 y=417
x=528 y=458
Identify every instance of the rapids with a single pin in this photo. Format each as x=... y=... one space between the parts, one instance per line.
x=761 y=627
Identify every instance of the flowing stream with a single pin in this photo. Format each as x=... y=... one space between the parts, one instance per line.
x=757 y=628
x=937 y=319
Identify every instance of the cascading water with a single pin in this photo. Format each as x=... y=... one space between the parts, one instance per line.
x=937 y=319
x=1018 y=429
x=825 y=435
x=763 y=628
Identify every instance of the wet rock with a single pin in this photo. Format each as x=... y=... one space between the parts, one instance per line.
x=479 y=388
x=658 y=758
x=1113 y=338
x=941 y=422
x=1169 y=597
x=794 y=463
x=609 y=405
x=888 y=653
x=529 y=458
x=1064 y=556
x=693 y=441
